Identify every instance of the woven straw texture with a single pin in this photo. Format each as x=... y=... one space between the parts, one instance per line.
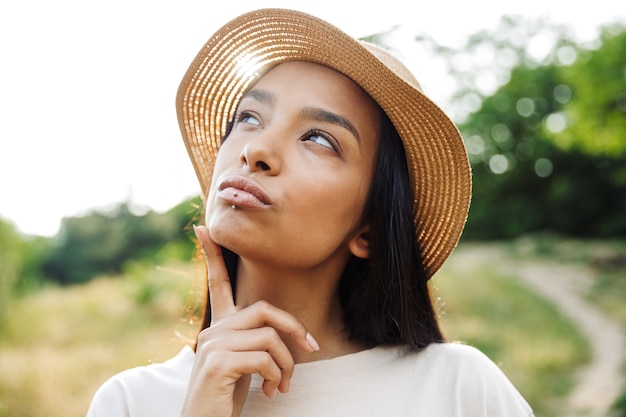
x=248 y=46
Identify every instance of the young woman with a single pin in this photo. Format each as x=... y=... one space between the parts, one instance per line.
x=338 y=190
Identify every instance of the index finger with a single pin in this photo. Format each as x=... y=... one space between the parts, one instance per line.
x=220 y=289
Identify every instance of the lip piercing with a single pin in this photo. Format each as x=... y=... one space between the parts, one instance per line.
x=233 y=206
x=235 y=194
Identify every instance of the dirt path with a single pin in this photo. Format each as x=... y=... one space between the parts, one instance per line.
x=601 y=380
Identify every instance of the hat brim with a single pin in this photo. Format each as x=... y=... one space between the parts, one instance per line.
x=248 y=46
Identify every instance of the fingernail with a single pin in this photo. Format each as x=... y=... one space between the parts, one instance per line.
x=312 y=342
x=197 y=231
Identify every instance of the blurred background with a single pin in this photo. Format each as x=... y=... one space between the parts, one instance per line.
x=97 y=195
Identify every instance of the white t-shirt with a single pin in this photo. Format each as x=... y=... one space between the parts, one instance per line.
x=447 y=380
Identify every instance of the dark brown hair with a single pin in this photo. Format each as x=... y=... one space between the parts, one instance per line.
x=385 y=298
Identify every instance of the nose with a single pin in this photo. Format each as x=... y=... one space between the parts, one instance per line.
x=261 y=154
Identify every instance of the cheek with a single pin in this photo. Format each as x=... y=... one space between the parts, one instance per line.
x=331 y=204
x=226 y=158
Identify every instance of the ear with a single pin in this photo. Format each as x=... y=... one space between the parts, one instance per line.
x=359 y=244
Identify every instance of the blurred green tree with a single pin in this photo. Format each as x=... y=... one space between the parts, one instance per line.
x=544 y=120
x=10 y=262
x=596 y=115
x=102 y=242
x=20 y=262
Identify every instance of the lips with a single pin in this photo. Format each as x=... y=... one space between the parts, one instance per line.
x=243 y=192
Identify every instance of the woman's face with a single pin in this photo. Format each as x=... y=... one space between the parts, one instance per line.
x=291 y=179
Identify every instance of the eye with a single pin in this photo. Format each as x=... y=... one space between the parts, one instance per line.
x=319 y=138
x=247 y=117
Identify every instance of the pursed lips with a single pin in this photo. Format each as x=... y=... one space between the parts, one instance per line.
x=243 y=191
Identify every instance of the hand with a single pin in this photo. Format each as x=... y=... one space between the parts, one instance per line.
x=239 y=342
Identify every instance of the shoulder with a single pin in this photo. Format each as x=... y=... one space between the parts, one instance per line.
x=441 y=363
x=456 y=358
x=459 y=362
x=140 y=390
x=471 y=379
x=464 y=357
x=172 y=371
x=456 y=355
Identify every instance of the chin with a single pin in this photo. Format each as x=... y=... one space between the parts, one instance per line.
x=229 y=234
x=221 y=234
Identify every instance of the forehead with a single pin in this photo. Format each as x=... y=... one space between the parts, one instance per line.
x=306 y=82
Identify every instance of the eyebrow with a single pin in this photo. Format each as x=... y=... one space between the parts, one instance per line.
x=321 y=115
x=262 y=96
x=309 y=113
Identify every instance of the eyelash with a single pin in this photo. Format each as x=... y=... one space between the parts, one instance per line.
x=241 y=115
x=323 y=135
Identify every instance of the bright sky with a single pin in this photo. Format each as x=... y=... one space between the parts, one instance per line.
x=87 y=89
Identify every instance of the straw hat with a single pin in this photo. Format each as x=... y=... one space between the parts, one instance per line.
x=248 y=46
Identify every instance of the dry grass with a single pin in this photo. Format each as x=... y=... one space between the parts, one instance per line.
x=60 y=344
x=532 y=342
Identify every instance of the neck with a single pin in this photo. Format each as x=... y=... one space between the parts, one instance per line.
x=310 y=295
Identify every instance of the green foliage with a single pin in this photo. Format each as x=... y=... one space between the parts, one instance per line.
x=619 y=408
x=544 y=120
x=10 y=263
x=35 y=248
x=597 y=112
x=103 y=242
x=524 y=179
x=20 y=262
